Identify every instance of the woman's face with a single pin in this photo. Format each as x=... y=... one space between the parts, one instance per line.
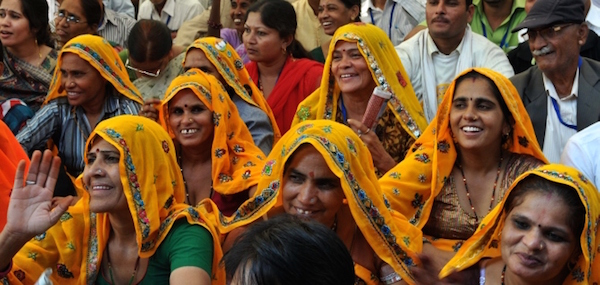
x=262 y=43
x=14 y=27
x=310 y=189
x=537 y=241
x=238 y=12
x=476 y=117
x=350 y=70
x=84 y=85
x=190 y=120
x=102 y=178
x=71 y=22
x=195 y=58
x=334 y=14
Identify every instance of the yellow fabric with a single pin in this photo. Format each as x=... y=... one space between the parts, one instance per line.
x=236 y=161
x=154 y=190
x=231 y=67
x=390 y=235
x=100 y=55
x=485 y=241
x=386 y=70
x=365 y=276
x=413 y=184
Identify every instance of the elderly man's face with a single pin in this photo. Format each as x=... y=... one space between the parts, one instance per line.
x=556 y=48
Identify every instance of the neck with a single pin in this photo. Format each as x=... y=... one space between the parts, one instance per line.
x=272 y=68
x=510 y=278
x=160 y=6
x=356 y=104
x=314 y=4
x=27 y=51
x=197 y=154
x=480 y=162
x=447 y=46
x=122 y=227
x=379 y=4
x=562 y=83
x=497 y=12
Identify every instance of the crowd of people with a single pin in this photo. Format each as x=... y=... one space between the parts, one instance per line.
x=299 y=142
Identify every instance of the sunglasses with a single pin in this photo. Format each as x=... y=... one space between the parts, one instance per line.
x=147 y=73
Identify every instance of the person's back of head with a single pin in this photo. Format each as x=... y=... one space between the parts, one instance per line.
x=287 y=250
x=149 y=40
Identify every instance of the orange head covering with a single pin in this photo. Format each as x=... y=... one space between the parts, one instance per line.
x=231 y=67
x=11 y=153
x=102 y=57
x=236 y=161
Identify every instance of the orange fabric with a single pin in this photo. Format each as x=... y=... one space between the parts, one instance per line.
x=298 y=79
x=11 y=153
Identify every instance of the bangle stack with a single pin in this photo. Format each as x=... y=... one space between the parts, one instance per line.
x=391 y=278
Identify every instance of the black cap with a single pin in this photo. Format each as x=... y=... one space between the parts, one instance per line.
x=547 y=12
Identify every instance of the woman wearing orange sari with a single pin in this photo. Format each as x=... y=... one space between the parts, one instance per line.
x=480 y=141
x=11 y=153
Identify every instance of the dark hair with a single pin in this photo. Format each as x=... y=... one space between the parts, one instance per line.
x=290 y=251
x=469 y=3
x=36 y=11
x=351 y=3
x=281 y=16
x=93 y=12
x=149 y=40
x=534 y=183
x=505 y=112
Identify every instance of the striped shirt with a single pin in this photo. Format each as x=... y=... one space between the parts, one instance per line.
x=69 y=128
x=115 y=27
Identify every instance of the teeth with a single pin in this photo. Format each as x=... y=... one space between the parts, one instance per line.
x=189 y=131
x=326 y=23
x=100 y=187
x=471 y=129
x=237 y=21
x=302 y=212
x=346 y=75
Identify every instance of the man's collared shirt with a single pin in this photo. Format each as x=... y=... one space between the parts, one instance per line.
x=397 y=18
x=173 y=14
x=502 y=36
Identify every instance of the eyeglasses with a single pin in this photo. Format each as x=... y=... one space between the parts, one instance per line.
x=151 y=74
x=69 y=18
x=547 y=33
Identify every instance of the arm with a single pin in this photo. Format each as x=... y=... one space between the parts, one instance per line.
x=31 y=210
x=189 y=275
x=190 y=253
x=214 y=19
x=40 y=128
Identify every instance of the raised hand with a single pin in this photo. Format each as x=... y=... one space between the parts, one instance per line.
x=149 y=109
x=31 y=210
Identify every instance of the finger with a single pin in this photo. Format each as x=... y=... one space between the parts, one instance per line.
x=44 y=168
x=61 y=207
x=359 y=127
x=19 y=176
x=34 y=165
x=53 y=174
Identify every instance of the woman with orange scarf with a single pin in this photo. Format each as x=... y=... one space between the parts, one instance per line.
x=480 y=141
x=361 y=57
x=545 y=231
x=10 y=155
x=213 y=143
x=320 y=170
x=129 y=227
x=218 y=58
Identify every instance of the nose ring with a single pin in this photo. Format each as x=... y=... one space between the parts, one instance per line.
x=99 y=171
x=191 y=120
x=541 y=247
x=313 y=200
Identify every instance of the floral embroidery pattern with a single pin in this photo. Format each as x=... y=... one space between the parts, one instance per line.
x=165 y=146
x=304 y=113
x=424 y=158
x=63 y=271
x=268 y=169
x=219 y=152
x=443 y=146
x=523 y=141
x=65 y=217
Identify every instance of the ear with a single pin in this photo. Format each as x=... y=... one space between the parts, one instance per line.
x=470 y=12
x=354 y=12
x=287 y=41
x=582 y=33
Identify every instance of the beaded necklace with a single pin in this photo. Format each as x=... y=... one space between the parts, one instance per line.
x=493 y=190
x=502 y=276
x=112 y=279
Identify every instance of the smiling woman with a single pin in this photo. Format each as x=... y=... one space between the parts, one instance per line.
x=28 y=57
x=332 y=15
x=90 y=85
x=77 y=17
x=216 y=154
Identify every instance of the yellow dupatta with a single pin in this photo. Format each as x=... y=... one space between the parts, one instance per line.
x=484 y=243
x=414 y=183
x=231 y=67
x=236 y=161
x=390 y=235
x=154 y=189
x=101 y=56
x=386 y=70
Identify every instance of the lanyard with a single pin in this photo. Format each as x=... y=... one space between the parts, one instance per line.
x=168 y=19
x=503 y=43
x=391 y=20
x=557 y=110
x=344 y=112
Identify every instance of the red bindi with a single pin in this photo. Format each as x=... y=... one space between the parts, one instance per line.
x=311 y=174
x=185 y=105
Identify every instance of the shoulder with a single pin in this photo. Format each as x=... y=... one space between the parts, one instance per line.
x=522 y=79
x=588 y=136
x=520 y=163
x=308 y=64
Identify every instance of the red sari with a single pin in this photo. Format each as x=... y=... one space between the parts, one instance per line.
x=298 y=79
x=11 y=153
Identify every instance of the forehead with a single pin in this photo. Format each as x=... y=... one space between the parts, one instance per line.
x=544 y=209
x=344 y=45
x=14 y=5
x=308 y=159
x=72 y=6
x=475 y=88
x=98 y=143
x=331 y=2
x=73 y=61
x=196 y=55
x=185 y=97
x=254 y=20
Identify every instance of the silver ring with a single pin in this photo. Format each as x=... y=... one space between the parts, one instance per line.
x=368 y=130
x=30 y=182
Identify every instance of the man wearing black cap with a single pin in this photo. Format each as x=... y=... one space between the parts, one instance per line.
x=562 y=92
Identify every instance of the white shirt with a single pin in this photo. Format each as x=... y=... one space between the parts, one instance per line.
x=397 y=18
x=557 y=134
x=174 y=13
x=593 y=16
x=115 y=27
x=484 y=53
x=582 y=152
x=120 y=6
